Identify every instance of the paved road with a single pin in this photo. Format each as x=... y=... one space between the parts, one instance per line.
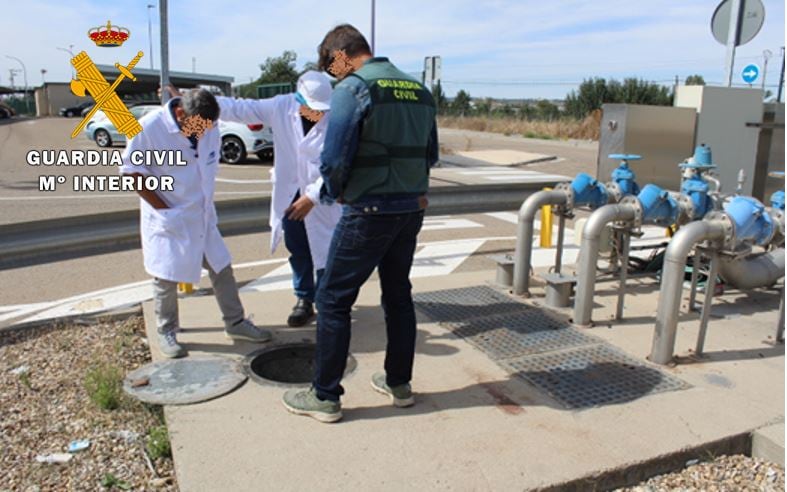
x=21 y=201
x=469 y=237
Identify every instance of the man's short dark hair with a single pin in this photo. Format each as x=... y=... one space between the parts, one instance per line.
x=200 y=102
x=344 y=37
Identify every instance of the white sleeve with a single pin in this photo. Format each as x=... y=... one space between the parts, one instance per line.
x=313 y=191
x=139 y=142
x=247 y=111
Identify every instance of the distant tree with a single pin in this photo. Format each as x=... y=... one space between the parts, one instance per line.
x=546 y=110
x=483 y=106
x=439 y=98
x=461 y=104
x=309 y=65
x=275 y=70
x=593 y=93
x=695 y=80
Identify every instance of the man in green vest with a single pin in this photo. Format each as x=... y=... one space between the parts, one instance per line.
x=380 y=143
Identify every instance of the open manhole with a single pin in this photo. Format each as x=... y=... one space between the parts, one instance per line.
x=287 y=365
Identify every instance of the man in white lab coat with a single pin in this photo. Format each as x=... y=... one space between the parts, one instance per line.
x=179 y=227
x=296 y=212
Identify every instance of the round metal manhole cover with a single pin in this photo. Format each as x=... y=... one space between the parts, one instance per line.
x=184 y=381
x=286 y=365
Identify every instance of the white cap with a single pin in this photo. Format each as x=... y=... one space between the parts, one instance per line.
x=315 y=88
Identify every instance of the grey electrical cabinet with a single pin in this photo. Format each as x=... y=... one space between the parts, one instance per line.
x=662 y=135
x=730 y=121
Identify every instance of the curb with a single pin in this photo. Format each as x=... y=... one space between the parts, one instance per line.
x=45 y=241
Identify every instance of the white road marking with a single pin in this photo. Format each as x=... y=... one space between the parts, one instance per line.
x=442 y=259
x=510 y=217
x=278 y=279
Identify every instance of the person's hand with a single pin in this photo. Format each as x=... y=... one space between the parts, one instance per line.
x=300 y=209
x=173 y=91
x=423 y=202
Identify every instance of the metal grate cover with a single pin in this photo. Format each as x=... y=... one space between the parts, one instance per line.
x=462 y=304
x=530 y=332
x=576 y=369
x=591 y=376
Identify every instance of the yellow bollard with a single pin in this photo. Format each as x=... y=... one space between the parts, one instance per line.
x=546 y=224
x=185 y=287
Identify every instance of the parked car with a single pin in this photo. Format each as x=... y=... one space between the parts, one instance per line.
x=76 y=110
x=6 y=111
x=237 y=140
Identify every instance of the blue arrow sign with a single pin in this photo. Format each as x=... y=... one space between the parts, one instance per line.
x=750 y=73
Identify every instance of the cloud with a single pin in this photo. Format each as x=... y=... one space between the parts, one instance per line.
x=493 y=48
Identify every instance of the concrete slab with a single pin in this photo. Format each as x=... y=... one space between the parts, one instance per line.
x=506 y=157
x=768 y=443
x=474 y=426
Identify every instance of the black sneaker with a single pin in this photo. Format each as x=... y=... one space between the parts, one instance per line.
x=302 y=313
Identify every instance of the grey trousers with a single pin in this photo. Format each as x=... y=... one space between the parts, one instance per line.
x=165 y=296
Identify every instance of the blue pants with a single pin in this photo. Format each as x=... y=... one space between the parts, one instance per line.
x=297 y=243
x=361 y=243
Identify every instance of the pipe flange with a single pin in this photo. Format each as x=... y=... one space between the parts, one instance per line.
x=614 y=192
x=778 y=225
x=686 y=206
x=729 y=229
x=569 y=192
x=639 y=213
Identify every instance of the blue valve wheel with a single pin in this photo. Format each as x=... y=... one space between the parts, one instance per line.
x=625 y=157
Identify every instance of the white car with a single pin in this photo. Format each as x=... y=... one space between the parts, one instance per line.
x=237 y=140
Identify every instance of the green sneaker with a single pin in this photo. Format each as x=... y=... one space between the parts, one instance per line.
x=401 y=396
x=305 y=402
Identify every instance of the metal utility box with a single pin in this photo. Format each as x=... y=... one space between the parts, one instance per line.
x=770 y=152
x=662 y=135
x=729 y=120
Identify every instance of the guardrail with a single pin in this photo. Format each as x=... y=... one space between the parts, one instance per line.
x=45 y=241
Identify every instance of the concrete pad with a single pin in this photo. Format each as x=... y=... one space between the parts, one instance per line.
x=474 y=426
x=768 y=443
x=506 y=157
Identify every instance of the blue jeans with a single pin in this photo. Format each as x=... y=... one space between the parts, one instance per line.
x=360 y=243
x=297 y=243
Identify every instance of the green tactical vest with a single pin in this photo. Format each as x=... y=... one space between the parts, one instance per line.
x=392 y=145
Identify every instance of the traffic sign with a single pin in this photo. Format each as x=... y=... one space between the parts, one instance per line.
x=752 y=18
x=750 y=73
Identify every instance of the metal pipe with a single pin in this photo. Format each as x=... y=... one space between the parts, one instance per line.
x=695 y=267
x=561 y=225
x=751 y=272
x=524 y=235
x=624 y=269
x=780 y=327
x=710 y=289
x=672 y=282
x=588 y=256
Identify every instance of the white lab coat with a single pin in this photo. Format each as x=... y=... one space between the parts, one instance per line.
x=296 y=166
x=175 y=240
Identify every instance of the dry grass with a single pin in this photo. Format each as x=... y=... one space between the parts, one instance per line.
x=587 y=129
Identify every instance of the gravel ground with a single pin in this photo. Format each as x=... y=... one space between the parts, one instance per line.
x=726 y=473
x=45 y=407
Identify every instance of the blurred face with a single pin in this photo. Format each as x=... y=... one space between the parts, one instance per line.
x=341 y=66
x=311 y=114
x=192 y=126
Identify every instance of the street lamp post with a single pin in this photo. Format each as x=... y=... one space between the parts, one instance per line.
x=766 y=55
x=373 y=22
x=70 y=51
x=150 y=35
x=24 y=75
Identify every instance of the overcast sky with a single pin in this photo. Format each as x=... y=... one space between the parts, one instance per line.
x=512 y=49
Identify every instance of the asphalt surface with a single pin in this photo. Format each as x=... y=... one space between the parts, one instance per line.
x=21 y=200
x=58 y=280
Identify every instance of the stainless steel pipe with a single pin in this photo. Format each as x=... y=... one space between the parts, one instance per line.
x=751 y=272
x=588 y=256
x=672 y=284
x=524 y=235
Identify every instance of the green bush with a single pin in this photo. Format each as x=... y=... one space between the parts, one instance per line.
x=104 y=386
x=157 y=443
